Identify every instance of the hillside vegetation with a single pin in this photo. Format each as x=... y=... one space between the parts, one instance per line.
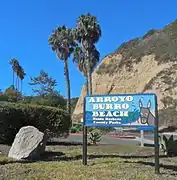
x=162 y=43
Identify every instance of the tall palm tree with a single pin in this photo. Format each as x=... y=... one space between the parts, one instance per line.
x=87 y=33
x=21 y=74
x=15 y=67
x=13 y=71
x=17 y=71
x=62 y=43
x=79 y=58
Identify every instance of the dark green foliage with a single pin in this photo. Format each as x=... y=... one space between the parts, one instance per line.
x=13 y=116
x=3 y=97
x=11 y=94
x=169 y=146
x=161 y=43
x=73 y=130
x=53 y=100
x=78 y=126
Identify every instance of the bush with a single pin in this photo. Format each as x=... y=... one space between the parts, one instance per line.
x=74 y=130
x=102 y=130
x=13 y=116
x=169 y=146
x=94 y=136
x=78 y=126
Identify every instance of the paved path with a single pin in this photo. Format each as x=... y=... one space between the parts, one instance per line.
x=108 y=139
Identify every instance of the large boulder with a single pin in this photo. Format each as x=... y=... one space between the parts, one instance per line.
x=29 y=143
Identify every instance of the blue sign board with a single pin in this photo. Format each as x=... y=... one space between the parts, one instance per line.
x=129 y=110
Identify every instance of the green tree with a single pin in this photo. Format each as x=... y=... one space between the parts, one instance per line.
x=12 y=94
x=3 y=97
x=87 y=33
x=43 y=84
x=62 y=43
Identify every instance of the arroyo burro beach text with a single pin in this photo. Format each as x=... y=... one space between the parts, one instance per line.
x=117 y=109
x=114 y=106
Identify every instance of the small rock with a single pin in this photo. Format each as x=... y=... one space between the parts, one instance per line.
x=29 y=143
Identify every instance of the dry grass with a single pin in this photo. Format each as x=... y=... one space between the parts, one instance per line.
x=106 y=162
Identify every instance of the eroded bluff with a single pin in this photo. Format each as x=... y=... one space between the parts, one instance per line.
x=146 y=64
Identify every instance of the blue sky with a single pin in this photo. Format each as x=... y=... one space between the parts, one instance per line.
x=26 y=26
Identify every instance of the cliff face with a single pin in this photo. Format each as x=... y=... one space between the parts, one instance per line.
x=146 y=64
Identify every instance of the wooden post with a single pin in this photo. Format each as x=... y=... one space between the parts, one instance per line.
x=156 y=139
x=142 y=138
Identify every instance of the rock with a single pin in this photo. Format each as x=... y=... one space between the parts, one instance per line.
x=29 y=143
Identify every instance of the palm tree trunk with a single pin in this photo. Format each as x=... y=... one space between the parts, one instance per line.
x=21 y=86
x=87 y=85
x=13 y=78
x=68 y=93
x=89 y=77
x=89 y=74
x=17 y=83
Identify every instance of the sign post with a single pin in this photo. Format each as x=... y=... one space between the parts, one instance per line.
x=122 y=110
x=84 y=157
x=142 y=138
x=84 y=146
x=156 y=138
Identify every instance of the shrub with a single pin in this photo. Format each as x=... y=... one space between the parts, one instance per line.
x=74 y=130
x=102 y=130
x=13 y=116
x=169 y=146
x=94 y=136
x=78 y=126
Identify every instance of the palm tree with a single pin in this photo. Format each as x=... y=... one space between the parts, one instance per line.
x=79 y=58
x=13 y=71
x=17 y=71
x=21 y=74
x=62 y=43
x=87 y=33
x=15 y=67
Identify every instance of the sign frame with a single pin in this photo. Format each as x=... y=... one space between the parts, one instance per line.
x=154 y=127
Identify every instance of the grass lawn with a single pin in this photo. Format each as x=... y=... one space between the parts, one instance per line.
x=105 y=162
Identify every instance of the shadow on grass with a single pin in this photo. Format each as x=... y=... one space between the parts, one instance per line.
x=47 y=156
x=59 y=156
x=63 y=143
x=169 y=167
